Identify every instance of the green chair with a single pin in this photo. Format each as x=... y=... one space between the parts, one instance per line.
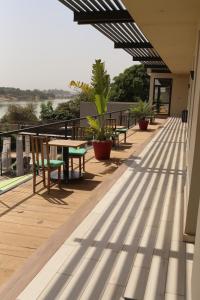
x=42 y=165
x=78 y=153
x=122 y=130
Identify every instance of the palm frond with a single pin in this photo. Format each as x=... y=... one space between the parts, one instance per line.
x=84 y=87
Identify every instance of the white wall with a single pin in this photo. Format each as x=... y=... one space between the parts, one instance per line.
x=88 y=109
x=192 y=225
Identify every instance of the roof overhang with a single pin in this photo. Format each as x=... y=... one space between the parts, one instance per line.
x=111 y=18
x=171 y=27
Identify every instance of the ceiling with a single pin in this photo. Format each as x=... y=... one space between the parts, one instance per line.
x=171 y=27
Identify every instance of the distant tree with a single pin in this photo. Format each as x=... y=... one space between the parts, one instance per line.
x=64 y=111
x=47 y=111
x=20 y=114
x=25 y=94
x=131 y=85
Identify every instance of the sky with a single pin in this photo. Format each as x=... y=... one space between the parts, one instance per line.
x=41 y=47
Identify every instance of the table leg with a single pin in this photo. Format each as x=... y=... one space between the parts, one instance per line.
x=66 y=163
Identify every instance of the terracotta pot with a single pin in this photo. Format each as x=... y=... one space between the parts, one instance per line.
x=102 y=149
x=143 y=124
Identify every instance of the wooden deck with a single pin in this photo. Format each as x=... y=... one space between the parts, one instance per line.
x=130 y=245
x=27 y=220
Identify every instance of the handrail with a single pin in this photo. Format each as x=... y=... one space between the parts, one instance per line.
x=64 y=122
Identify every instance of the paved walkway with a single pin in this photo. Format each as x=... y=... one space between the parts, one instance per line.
x=130 y=245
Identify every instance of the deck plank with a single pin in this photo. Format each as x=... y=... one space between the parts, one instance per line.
x=27 y=220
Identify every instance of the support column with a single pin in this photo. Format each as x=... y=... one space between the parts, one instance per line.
x=196 y=264
x=27 y=152
x=53 y=152
x=6 y=154
x=193 y=170
x=19 y=156
x=194 y=187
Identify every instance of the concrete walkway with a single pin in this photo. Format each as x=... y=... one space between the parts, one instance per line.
x=130 y=245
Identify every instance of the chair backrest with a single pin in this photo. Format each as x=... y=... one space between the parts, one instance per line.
x=111 y=123
x=40 y=151
x=79 y=132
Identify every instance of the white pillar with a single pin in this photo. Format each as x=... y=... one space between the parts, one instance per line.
x=19 y=156
x=27 y=152
x=53 y=152
x=196 y=263
x=6 y=154
x=27 y=146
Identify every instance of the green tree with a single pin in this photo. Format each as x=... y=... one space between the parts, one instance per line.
x=131 y=85
x=20 y=114
x=64 y=111
x=68 y=110
x=47 y=111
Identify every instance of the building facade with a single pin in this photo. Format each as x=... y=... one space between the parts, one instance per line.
x=173 y=28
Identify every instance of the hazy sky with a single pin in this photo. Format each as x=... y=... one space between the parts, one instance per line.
x=41 y=47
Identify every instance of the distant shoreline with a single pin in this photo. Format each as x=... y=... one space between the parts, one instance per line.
x=18 y=95
x=15 y=99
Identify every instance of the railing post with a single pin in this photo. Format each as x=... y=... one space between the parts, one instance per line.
x=120 y=118
x=27 y=146
x=19 y=156
x=27 y=152
x=53 y=152
x=73 y=130
x=128 y=123
x=66 y=131
x=6 y=154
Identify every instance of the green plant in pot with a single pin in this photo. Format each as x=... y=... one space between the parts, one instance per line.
x=98 y=91
x=141 y=111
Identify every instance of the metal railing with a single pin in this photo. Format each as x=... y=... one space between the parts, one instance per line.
x=15 y=145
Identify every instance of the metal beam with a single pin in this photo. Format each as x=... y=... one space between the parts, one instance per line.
x=161 y=70
x=146 y=58
x=133 y=45
x=163 y=67
x=99 y=17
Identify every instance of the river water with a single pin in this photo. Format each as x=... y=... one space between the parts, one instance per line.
x=4 y=104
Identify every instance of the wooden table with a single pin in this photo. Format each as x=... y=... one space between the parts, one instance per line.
x=65 y=144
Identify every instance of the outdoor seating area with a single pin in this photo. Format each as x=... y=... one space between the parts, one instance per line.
x=28 y=220
x=119 y=234
x=51 y=151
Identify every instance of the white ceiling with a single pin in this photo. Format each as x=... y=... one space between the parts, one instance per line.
x=171 y=27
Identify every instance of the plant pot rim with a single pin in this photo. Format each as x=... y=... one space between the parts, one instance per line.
x=143 y=119
x=102 y=141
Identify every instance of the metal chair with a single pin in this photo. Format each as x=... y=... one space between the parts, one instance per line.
x=111 y=123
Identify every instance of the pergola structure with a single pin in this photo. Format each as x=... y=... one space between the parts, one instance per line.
x=112 y=19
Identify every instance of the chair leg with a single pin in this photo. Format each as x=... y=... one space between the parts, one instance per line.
x=72 y=164
x=34 y=181
x=125 y=137
x=44 y=178
x=84 y=163
x=59 y=177
x=79 y=166
x=49 y=181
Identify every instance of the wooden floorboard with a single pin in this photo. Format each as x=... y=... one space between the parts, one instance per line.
x=27 y=220
x=130 y=245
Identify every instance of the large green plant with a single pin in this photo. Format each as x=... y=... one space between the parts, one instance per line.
x=99 y=93
x=142 y=110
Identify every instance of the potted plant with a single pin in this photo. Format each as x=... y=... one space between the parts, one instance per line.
x=98 y=91
x=141 y=111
